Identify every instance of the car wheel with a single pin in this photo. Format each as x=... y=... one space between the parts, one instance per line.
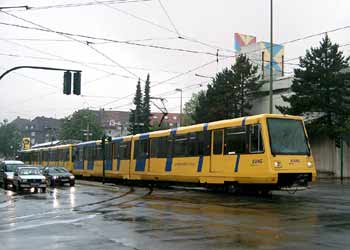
x=72 y=184
x=43 y=190
x=5 y=185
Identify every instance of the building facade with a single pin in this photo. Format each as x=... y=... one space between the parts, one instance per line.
x=116 y=123
x=39 y=130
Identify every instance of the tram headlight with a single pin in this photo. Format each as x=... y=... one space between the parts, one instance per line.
x=309 y=164
x=277 y=164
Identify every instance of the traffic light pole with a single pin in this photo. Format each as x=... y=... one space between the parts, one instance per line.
x=103 y=158
x=36 y=67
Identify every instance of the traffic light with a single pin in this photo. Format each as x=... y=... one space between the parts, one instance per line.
x=67 y=83
x=77 y=83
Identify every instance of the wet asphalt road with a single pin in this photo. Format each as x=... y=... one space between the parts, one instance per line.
x=117 y=217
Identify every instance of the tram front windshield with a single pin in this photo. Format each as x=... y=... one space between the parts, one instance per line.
x=287 y=136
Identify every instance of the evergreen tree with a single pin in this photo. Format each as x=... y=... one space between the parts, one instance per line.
x=146 y=108
x=246 y=77
x=135 y=118
x=320 y=89
x=230 y=93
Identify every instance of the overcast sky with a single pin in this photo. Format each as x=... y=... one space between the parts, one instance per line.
x=205 y=25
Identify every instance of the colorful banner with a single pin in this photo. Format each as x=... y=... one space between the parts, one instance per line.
x=242 y=40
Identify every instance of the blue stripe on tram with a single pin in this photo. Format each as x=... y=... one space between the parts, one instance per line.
x=169 y=160
x=108 y=165
x=200 y=163
x=90 y=165
x=237 y=163
x=78 y=165
x=140 y=165
x=169 y=163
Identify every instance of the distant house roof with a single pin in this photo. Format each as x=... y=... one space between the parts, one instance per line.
x=110 y=119
x=20 y=123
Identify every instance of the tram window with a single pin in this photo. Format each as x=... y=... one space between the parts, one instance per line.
x=98 y=152
x=85 y=153
x=180 y=145
x=141 y=149
x=116 y=151
x=217 y=142
x=255 y=139
x=159 y=147
x=109 y=151
x=192 y=145
x=235 y=140
x=80 y=154
x=124 y=150
x=204 y=141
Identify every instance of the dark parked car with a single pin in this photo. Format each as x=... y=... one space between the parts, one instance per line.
x=7 y=168
x=58 y=176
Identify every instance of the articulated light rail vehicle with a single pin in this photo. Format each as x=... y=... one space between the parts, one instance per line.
x=263 y=152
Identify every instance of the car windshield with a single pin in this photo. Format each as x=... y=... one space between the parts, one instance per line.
x=287 y=136
x=28 y=171
x=12 y=167
x=57 y=170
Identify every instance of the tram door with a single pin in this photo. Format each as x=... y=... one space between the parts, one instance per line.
x=216 y=150
x=228 y=145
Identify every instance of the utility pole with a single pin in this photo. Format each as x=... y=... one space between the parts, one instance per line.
x=271 y=50
x=180 y=90
x=242 y=95
x=87 y=131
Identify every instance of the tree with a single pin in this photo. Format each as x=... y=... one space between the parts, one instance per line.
x=146 y=107
x=190 y=108
x=320 y=89
x=135 y=117
x=230 y=93
x=77 y=126
x=9 y=138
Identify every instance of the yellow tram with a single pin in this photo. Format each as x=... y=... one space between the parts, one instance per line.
x=267 y=151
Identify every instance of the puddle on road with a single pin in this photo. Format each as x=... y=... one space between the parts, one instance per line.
x=47 y=223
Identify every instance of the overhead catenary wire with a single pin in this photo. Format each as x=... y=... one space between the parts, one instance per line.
x=167 y=29
x=176 y=49
x=98 y=43
x=67 y=60
x=70 y=37
x=72 y=5
x=316 y=34
x=162 y=82
x=171 y=21
x=154 y=46
x=90 y=63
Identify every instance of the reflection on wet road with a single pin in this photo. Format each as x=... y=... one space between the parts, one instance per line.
x=120 y=217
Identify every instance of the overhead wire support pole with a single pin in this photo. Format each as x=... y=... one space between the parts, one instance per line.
x=271 y=50
x=36 y=67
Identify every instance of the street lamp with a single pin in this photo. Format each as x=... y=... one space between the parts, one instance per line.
x=180 y=90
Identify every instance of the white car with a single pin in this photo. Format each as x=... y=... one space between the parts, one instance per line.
x=27 y=178
x=7 y=169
